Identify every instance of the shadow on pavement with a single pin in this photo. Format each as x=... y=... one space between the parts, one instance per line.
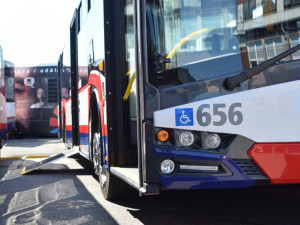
x=47 y=196
x=258 y=205
x=55 y=195
x=261 y=205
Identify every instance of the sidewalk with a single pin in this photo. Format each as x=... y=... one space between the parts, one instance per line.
x=31 y=148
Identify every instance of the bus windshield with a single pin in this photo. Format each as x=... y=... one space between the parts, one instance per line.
x=195 y=40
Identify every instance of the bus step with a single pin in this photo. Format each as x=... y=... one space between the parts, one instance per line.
x=37 y=165
x=128 y=174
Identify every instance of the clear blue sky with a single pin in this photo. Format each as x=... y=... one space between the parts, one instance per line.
x=33 y=32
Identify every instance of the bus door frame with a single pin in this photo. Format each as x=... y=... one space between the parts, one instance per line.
x=60 y=66
x=145 y=107
x=74 y=78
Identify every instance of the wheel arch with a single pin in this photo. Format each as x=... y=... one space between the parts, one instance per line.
x=95 y=113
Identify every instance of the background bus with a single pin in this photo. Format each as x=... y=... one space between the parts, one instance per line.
x=35 y=100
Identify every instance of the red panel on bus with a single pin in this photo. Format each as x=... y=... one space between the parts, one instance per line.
x=53 y=122
x=279 y=161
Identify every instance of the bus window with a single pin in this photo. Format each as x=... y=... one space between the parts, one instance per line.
x=182 y=33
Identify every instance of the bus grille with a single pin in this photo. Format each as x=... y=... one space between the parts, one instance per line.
x=251 y=169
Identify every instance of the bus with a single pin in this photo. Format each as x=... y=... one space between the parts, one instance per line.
x=35 y=95
x=10 y=98
x=3 y=118
x=179 y=95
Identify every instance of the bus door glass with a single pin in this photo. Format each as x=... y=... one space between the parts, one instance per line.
x=130 y=65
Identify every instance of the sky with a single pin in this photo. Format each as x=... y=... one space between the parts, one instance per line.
x=33 y=32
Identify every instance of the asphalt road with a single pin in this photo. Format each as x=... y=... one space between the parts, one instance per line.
x=65 y=192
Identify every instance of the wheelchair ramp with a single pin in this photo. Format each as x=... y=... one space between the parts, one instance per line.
x=37 y=165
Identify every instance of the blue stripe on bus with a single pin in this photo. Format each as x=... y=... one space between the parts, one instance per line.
x=238 y=179
x=84 y=143
x=69 y=139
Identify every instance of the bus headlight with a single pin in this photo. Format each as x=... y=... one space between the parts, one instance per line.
x=213 y=140
x=186 y=138
x=167 y=166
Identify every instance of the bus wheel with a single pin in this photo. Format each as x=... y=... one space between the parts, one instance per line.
x=111 y=186
x=97 y=153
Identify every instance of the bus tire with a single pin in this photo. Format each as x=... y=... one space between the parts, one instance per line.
x=111 y=186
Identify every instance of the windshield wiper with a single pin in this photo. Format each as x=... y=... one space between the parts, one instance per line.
x=234 y=81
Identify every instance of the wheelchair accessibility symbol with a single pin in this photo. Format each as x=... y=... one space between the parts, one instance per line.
x=184 y=117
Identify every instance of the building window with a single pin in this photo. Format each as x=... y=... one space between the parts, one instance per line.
x=291 y=3
x=269 y=6
x=256 y=53
x=295 y=40
x=273 y=47
x=248 y=7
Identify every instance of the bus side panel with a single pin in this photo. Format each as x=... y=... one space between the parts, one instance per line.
x=68 y=123
x=84 y=96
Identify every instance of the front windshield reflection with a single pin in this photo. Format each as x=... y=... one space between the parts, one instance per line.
x=196 y=40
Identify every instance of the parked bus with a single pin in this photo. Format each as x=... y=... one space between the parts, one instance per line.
x=171 y=94
x=10 y=98
x=3 y=117
x=35 y=100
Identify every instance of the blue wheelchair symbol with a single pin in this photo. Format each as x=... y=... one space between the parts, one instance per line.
x=184 y=117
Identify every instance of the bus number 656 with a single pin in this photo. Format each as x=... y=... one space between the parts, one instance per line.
x=219 y=114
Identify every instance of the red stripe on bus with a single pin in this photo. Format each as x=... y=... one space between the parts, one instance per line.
x=69 y=127
x=104 y=130
x=84 y=129
x=53 y=122
x=83 y=88
x=279 y=161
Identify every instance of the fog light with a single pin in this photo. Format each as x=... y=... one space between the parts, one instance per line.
x=213 y=141
x=167 y=166
x=186 y=138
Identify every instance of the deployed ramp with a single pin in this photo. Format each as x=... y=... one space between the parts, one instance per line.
x=37 y=165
